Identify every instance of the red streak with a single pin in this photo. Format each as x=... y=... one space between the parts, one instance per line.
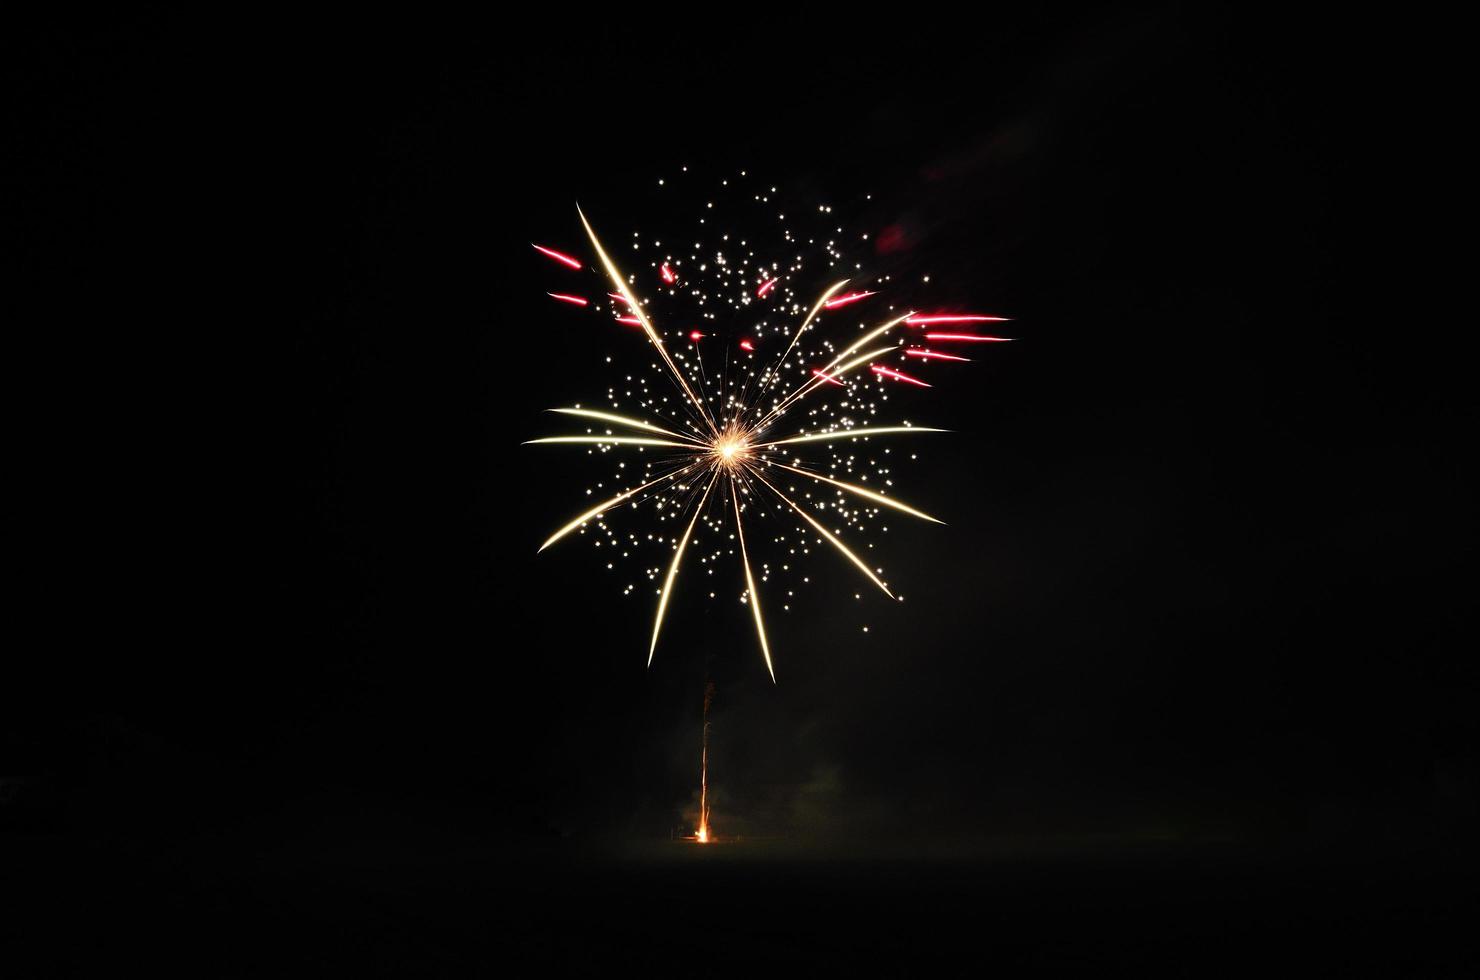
x=966 y=336
x=631 y=321
x=566 y=298
x=746 y=345
x=695 y=335
x=766 y=287
x=932 y=354
x=921 y=321
x=833 y=304
x=668 y=274
x=897 y=376
x=619 y=296
x=827 y=377
x=560 y=257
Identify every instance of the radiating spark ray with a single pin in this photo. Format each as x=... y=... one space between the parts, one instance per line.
x=755 y=597
x=807 y=387
x=816 y=308
x=673 y=568
x=624 y=420
x=560 y=257
x=879 y=369
x=817 y=381
x=921 y=321
x=832 y=538
x=833 y=304
x=891 y=430
x=605 y=506
x=933 y=355
x=614 y=440
x=617 y=280
x=967 y=336
x=877 y=498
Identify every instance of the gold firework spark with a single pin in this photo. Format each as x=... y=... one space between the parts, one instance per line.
x=730 y=440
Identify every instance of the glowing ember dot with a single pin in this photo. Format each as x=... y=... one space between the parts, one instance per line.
x=560 y=257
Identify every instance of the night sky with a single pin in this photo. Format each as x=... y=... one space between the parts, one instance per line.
x=1200 y=587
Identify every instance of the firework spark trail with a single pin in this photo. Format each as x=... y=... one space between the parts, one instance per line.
x=967 y=337
x=631 y=301
x=821 y=377
x=605 y=506
x=933 y=355
x=702 y=834
x=623 y=420
x=832 y=538
x=613 y=440
x=877 y=498
x=775 y=372
x=922 y=321
x=848 y=434
x=882 y=371
x=833 y=304
x=673 y=568
x=755 y=597
x=560 y=257
x=828 y=373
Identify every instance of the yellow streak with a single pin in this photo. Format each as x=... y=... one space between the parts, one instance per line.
x=601 y=508
x=673 y=569
x=616 y=277
x=877 y=498
x=816 y=307
x=623 y=420
x=827 y=534
x=617 y=440
x=755 y=597
x=817 y=380
x=849 y=433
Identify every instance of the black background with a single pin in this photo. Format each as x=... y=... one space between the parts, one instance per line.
x=1196 y=609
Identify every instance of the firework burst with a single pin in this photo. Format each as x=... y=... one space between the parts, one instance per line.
x=780 y=421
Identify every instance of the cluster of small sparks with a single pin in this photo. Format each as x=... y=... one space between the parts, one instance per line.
x=769 y=400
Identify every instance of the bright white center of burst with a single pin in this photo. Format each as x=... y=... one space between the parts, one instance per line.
x=729 y=448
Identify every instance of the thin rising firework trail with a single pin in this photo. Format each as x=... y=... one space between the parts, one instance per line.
x=782 y=422
x=702 y=833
